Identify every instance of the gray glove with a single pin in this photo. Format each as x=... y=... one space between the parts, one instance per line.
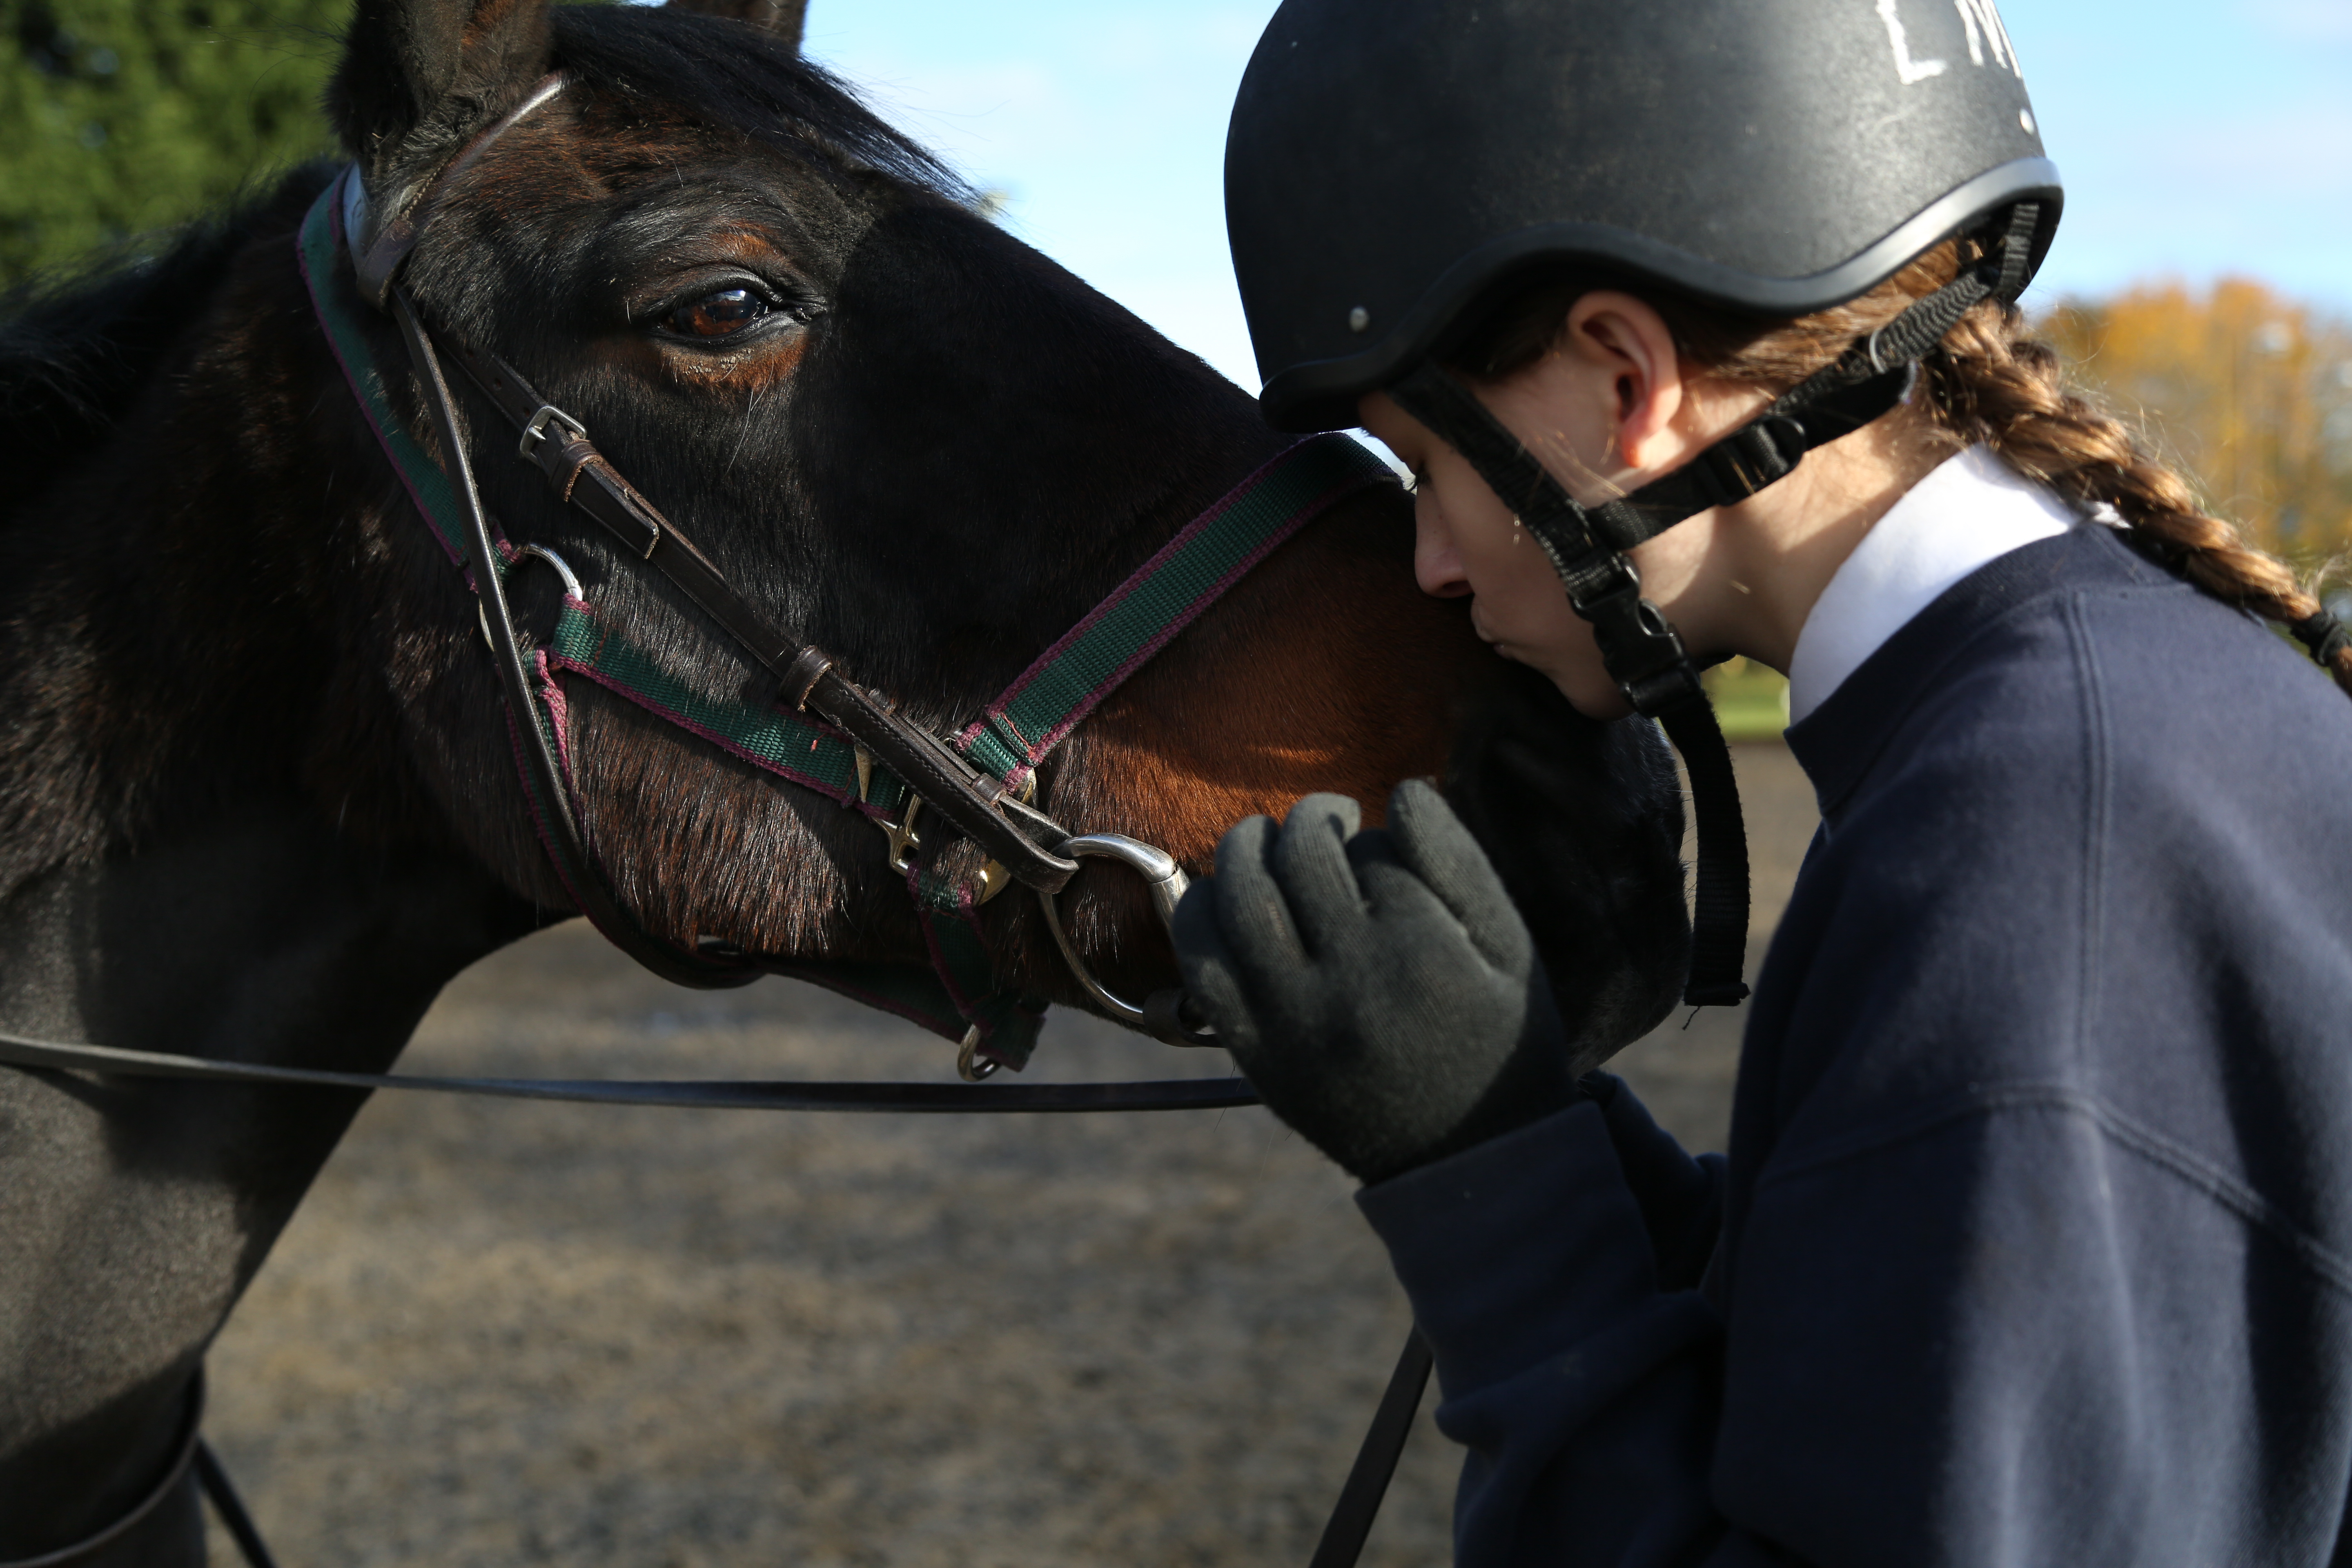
x=1378 y=988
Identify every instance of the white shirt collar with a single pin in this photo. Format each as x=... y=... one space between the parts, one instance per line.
x=1970 y=512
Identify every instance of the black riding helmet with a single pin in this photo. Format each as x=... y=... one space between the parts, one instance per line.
x=1393 y=165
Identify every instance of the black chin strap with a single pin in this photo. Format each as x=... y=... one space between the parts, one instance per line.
x=1761 y=452
x=1870 y=380
x=1643 y=653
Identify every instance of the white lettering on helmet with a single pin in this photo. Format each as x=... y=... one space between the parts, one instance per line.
x=1905 y=67
x=1980 y=14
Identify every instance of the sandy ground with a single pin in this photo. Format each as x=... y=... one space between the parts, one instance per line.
x=504 y=1334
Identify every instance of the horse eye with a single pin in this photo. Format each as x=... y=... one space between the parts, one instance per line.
x=719 y=315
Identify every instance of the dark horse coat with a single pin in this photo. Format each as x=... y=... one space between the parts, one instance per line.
x=256 y=795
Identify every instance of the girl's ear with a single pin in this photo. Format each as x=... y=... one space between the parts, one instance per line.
x=781 y=17
x=419 y=76
x=1626 y=340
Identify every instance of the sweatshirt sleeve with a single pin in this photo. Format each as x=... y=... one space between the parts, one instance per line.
x=1680 y=1195
x=1584 y=1391
x=2011 y=1329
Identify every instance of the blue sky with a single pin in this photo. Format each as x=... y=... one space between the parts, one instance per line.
x=2195 y=140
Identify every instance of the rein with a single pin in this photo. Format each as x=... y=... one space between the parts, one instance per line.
x=696 y=1094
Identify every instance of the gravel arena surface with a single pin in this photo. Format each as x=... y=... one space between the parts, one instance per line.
x=502 y=1333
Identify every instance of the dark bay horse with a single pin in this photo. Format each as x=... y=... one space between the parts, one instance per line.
x=257 y=792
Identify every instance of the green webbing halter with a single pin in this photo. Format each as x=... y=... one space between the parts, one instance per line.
x=963 y=993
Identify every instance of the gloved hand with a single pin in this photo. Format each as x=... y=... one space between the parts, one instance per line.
x=1377 y=987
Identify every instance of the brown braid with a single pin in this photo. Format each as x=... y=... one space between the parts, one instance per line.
x=1989 y=382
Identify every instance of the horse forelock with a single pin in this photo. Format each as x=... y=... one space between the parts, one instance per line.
x=733 y=77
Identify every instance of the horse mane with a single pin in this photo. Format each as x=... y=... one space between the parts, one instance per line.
x=77 y=346
x=744 y=78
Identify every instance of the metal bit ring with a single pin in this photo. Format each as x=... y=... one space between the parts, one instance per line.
x=1161 y=874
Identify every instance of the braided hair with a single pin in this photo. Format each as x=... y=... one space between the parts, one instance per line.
x=1989 y=382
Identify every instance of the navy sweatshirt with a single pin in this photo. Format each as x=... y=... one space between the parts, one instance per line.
x=2034 y=1243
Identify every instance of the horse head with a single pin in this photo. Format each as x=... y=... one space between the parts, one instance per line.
x=902 y=431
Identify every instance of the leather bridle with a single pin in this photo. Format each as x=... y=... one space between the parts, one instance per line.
x=987 y=806
x=807 y=679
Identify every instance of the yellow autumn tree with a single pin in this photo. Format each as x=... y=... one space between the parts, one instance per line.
x=2247 y=393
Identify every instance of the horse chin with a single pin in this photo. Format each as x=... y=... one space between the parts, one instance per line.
x=1583 y=820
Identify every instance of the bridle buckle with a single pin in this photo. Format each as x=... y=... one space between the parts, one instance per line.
x=535 y=431
x=905 y=839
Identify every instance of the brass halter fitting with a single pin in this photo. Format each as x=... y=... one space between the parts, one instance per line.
x=970 y=1066
x=904 y=839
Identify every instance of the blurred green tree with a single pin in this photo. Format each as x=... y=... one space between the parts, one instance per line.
x=120 y=116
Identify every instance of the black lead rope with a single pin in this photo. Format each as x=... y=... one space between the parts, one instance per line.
x=231 y=1507
x=101 y=1541
x=1376 y=1460
x=703 y=1094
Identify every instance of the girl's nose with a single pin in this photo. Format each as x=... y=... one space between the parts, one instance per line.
x=1436 y=566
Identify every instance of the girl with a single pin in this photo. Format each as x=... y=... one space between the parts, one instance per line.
x=2034 y=1239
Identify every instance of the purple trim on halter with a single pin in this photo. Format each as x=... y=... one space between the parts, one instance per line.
x=558 y=714
x=1142 y=655
x=358 y=393
x=672 y=716
x=817 y=974
x=559 y=719
x=546 y=839
x=1035 y=751
x=986 y=1044
x=929 y=916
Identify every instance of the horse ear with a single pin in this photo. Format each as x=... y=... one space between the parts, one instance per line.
x=420 y=76
x=781 y=17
